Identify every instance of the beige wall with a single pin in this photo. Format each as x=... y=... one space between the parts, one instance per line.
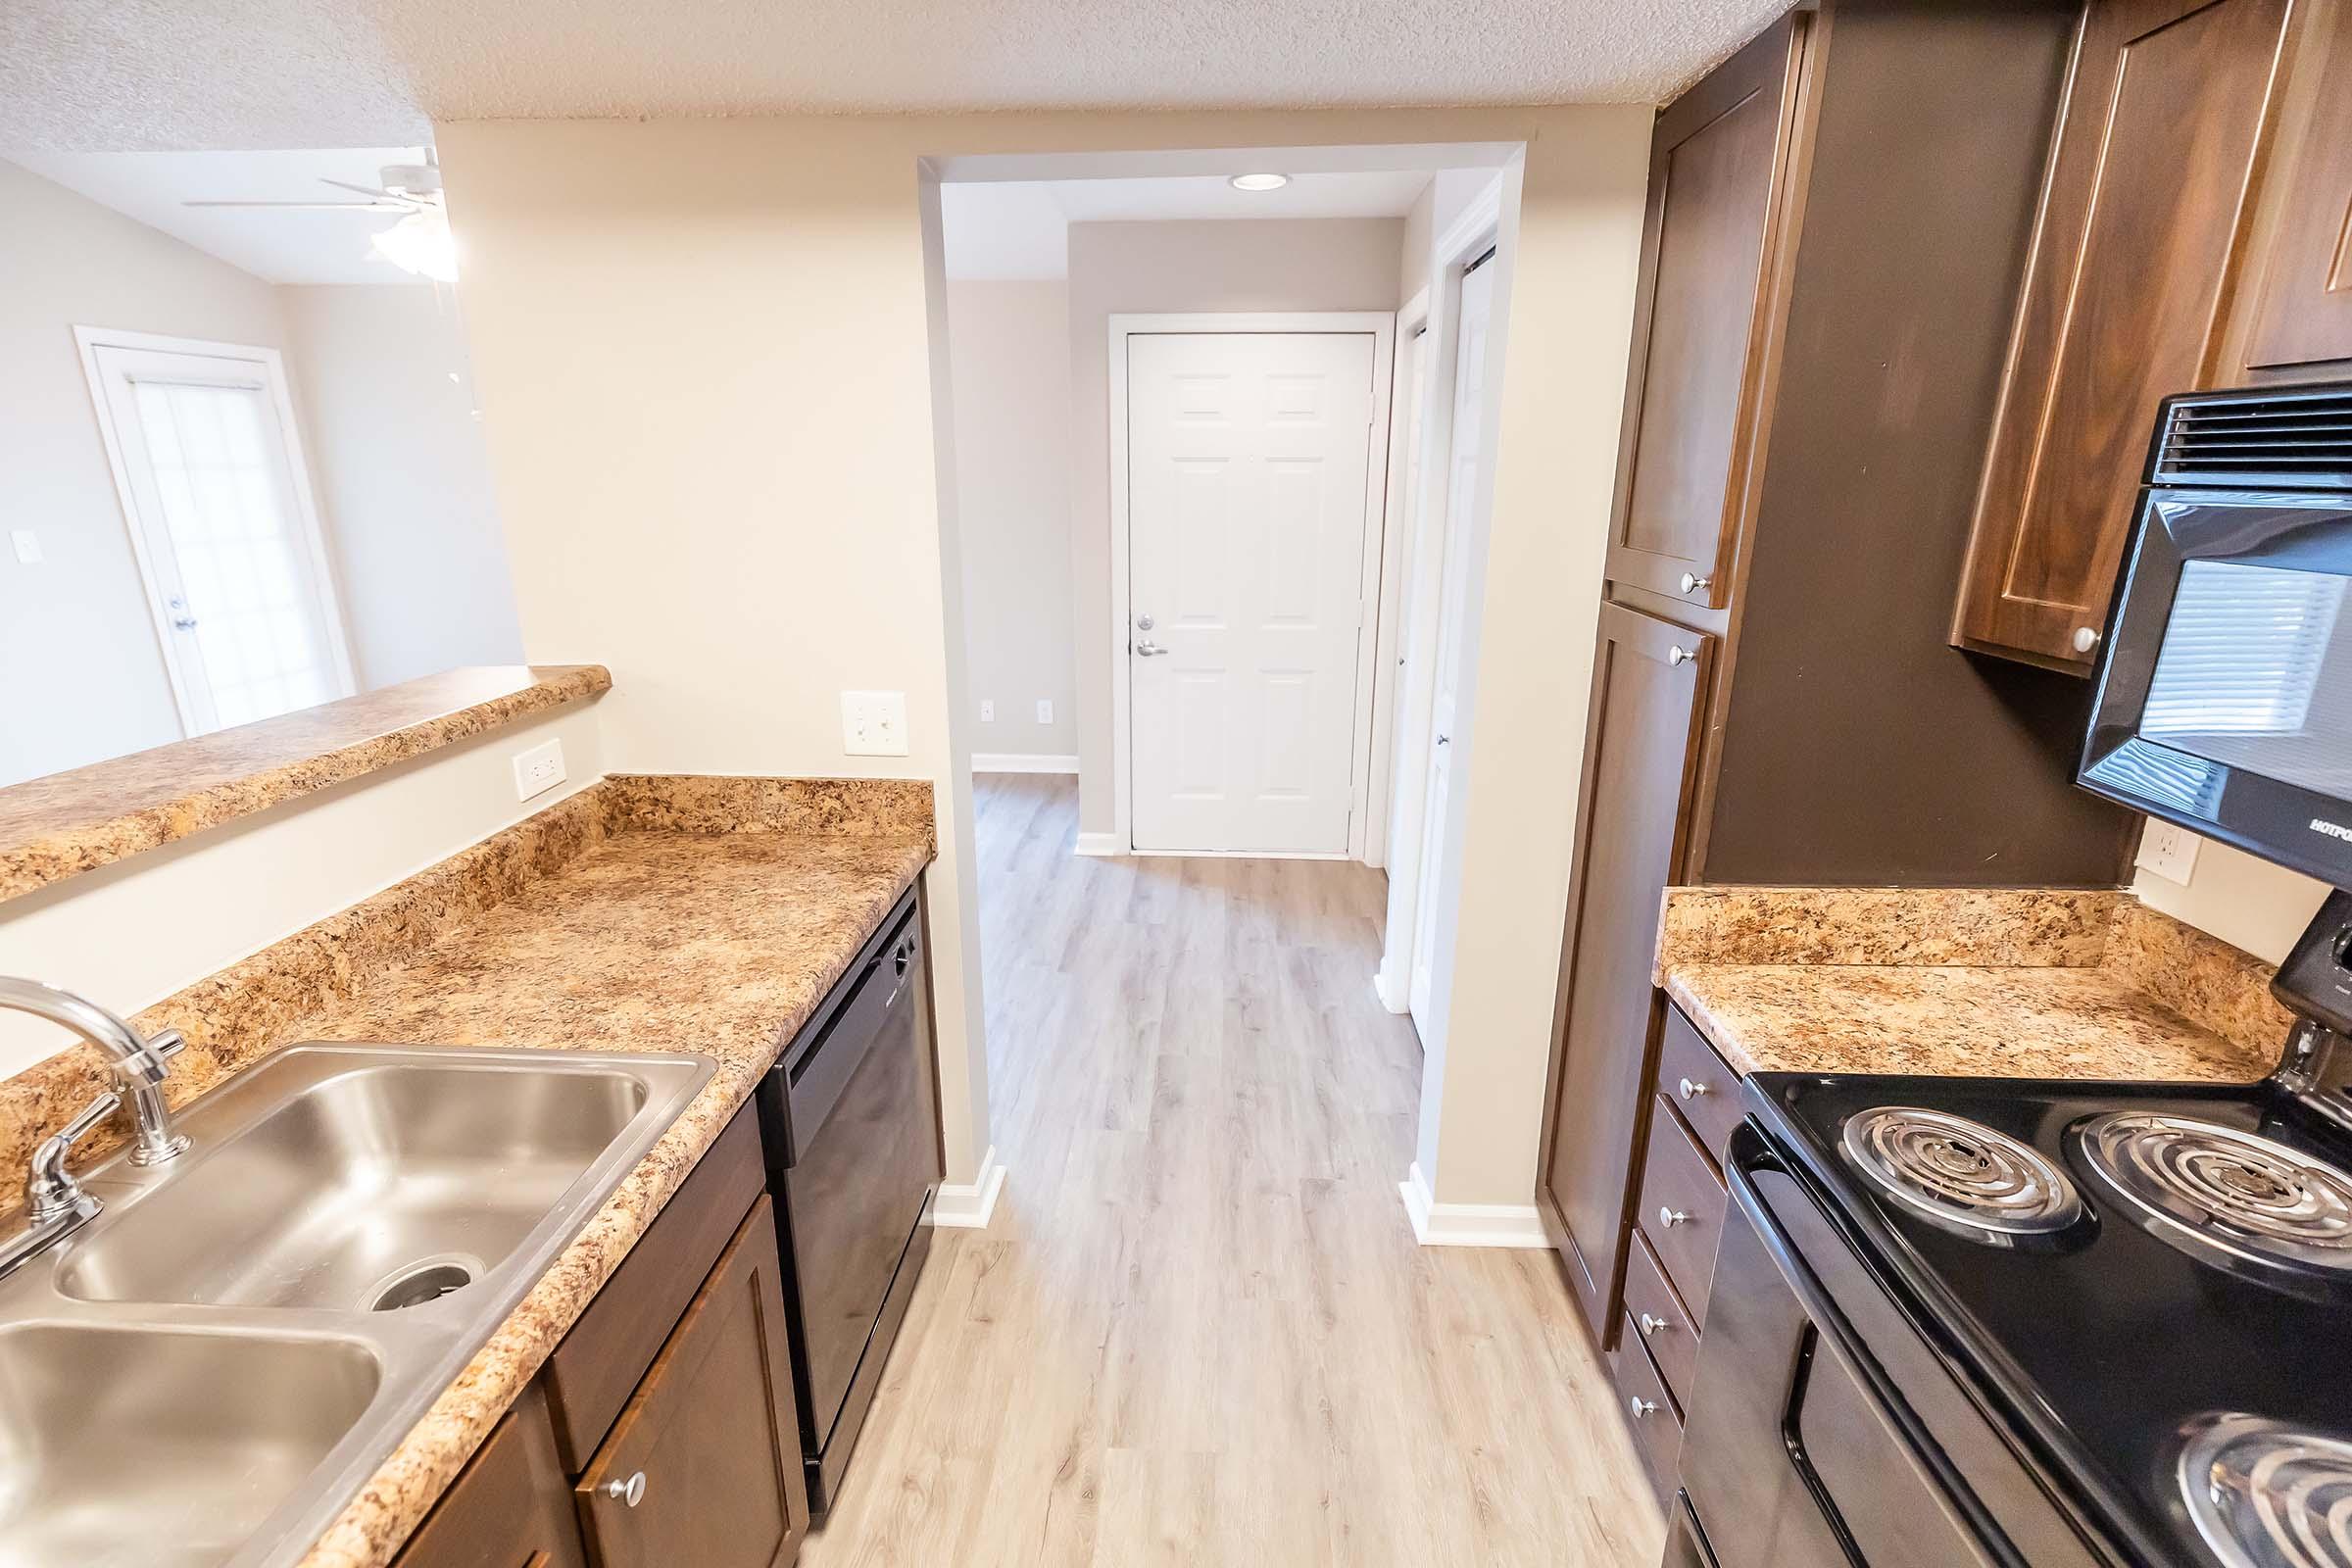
x=82 y=678
x=1009 y=352
x=385 y=396
x=708 y=383
x=1332 y=264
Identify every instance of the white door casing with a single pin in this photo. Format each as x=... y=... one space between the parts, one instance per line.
x=1248 y=464
x=1475 y=316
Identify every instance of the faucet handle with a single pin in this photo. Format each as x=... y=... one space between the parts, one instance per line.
x=167 y=1043
x=50 y=1190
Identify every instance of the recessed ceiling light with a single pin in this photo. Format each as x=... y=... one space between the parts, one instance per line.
x=1259 y=182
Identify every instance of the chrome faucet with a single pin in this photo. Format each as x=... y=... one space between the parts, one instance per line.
x=141 y=1065
x=54 y=1205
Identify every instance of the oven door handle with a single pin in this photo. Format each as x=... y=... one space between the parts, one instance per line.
x=1831 y=1329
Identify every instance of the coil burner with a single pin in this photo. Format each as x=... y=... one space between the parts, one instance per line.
x=2232 y=1195
x=1961 y=1174
x=2265 y=1496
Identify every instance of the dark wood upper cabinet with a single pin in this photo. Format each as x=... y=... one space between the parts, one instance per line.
x=1647 y=681
x=1703 y=338
x=2302 y=312
x=2143 y=215
x=703 y=1465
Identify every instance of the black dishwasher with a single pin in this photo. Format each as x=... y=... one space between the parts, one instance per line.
x=849 y=1120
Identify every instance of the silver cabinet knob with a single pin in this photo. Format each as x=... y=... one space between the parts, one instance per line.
x=1678 y=655
x=2086 y=639
x=1692 y=583
x=1642 y=1407
x=1655 y=1326
x=1671 y=1217
x=1148 y=650
x=1690 y=1089
x=630 y=1493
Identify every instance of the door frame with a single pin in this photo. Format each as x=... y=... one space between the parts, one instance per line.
x=266 y=366
x=1401 y=521
x=1381 y=325
x=1478 y=229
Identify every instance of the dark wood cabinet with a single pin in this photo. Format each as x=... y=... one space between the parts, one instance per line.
x=2300 y=317
x=703 y=1466
x=1640 y=746
x=509 y=1508
x=1703 y=335
x=2145 y=216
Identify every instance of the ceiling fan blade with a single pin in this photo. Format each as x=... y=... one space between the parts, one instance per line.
x=313 y=206
x=377 y=191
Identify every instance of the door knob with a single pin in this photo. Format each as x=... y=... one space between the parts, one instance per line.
x=1143 y=623
x=1671 y=1217
x=1692 y=583
x=628 y=1493
x=1148 y=650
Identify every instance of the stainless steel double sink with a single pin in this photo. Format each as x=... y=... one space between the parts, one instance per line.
x=205 y=1374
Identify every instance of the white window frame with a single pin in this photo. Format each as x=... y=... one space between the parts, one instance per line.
x=268 y=367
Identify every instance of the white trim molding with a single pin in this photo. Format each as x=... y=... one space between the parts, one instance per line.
x=1392 y=988
x=1099 y=843
x=1437 y=1224
x=968 y=1205
x=1023 y=762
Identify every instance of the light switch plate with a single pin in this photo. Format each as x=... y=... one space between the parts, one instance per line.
x=874 y=724
x=539 y=769
x=988 y=711
x=1045 y=709
x=2168 y=850
x=27 y=543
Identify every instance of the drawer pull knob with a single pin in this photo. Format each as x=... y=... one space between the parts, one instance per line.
x=1671 y=1217
x=1655 y=1326
x=1692 y=1089
x=1642 y=1407
x=628 y=1493
x=1692 y=582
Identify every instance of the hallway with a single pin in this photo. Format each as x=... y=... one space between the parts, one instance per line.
x=1224 y=1345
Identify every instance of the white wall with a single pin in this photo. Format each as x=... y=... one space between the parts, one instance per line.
x=769 y=529
x=82 y=678
x=130 y=934
x=1313 y=263
x=2247 y=902
x=385 y=395
x=1010 y=352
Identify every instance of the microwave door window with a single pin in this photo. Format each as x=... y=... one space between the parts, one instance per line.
x=2255 y=672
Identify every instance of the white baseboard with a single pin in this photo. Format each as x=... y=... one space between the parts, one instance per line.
x=1437 y=1224
x=963 y=1206
x=1394 y=991
x=1099 y=843
x=1023 y=762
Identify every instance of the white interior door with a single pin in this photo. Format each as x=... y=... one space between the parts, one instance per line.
x=1461 y=491
x=234 y=569
x=1247 y=455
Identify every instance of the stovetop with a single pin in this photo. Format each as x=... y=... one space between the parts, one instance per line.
x=2109 y=1337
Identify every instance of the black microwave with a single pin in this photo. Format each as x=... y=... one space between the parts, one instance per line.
x=2225 y=692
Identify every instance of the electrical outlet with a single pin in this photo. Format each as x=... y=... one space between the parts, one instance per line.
x=988 y=711
x=538 y=770
x=1045 y=709
x=874 y=724
x=2168 y=852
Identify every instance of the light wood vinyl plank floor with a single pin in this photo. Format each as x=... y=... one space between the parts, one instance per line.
x=1199 y=1330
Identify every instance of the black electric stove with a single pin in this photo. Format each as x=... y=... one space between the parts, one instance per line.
x=2128 y=1345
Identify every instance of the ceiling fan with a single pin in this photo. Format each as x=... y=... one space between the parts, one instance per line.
x=418 y=243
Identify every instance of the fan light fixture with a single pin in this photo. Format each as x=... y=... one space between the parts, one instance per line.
x=1258 y=181
x=420 y=243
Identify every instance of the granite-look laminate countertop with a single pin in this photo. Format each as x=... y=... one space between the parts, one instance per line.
x=1964 y=983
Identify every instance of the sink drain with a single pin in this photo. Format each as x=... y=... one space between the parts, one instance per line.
x=419 y=1282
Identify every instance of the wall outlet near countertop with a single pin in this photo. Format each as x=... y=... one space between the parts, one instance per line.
x=2168 y=850
x=874 y=724
x=539 y=769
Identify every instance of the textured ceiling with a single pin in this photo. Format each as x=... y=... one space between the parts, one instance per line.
x=158 y=75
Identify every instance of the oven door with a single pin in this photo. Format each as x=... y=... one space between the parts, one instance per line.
x=1801 y=1450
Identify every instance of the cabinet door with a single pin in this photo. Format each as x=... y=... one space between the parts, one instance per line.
x=510 y=1507
x=1703 y=322
x=703 y=1466
x=2303 y=315
x=1640 y=746
x=2142 y=211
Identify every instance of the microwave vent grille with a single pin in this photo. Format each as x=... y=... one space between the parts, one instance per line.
x=2294 y=439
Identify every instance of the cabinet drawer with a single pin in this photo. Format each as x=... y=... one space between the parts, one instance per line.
x=1659 y=1316
x=1650 y=1411
x=1699 y=1082
x=1681 y=1209
x=591 y=1373
x=704 y=1467
x=510 y=1507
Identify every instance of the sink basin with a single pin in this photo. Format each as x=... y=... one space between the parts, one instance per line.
x=122 y=1447
x=380 y=1187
